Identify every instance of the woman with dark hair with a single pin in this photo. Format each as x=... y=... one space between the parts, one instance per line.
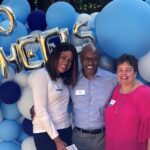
x=127 y=116
x=51 y=124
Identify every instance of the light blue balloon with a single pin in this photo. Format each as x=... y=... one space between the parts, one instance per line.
x=1 y=78
x=21 y=9
x=148 y=2
x=22 y=136
x=4 y=2
x=7 y=145
x=1 y=18
x=123 y=26
x=61 y=15
x=9 y=130
x=10 y=111
x=6 y=41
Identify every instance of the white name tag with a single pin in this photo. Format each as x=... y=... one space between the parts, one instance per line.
x=112 y=102
x=80 y=92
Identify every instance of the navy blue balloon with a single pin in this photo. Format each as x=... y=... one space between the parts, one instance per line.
x=27 y=126
x=37 y=20
x=10 y=92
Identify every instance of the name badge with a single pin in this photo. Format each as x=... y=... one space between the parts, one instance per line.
x=58 y=87
x=112 y=102
x=80 y=92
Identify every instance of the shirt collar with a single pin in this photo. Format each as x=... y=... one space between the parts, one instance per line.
x=99 y=73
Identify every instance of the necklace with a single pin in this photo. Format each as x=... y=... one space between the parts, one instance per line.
x=128 y=89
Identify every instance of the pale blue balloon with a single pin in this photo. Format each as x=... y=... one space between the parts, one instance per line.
x=61 y=15
x=1 y=19
x=123 y=26
x=8 y=145
x=21 y=9
x=7 y=40
x=9 y=130
x=4 y=2
x=10 y=111
x=1 y=78
x=148 y=2
x=22 y=136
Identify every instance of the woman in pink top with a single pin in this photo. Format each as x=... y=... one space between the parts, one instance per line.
x=127 y=116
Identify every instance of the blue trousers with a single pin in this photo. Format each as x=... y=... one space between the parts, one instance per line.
x=43 y=140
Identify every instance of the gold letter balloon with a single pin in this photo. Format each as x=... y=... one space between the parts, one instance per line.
x=20 y=55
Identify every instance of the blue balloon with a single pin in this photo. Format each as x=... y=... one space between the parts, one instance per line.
x=147 y=1
x=37 y=20
x=20 y=8
x=4 y=2
x=123 y=26
x=139 y=77
x=108 y=63
x=7 y=145
x=1 y=18
x=1 y=78
x=22 y=136
x=10 y=92
x=61 y=15
x=9 y=130
x=6 y=41
x=10 y=111
x=27 y=126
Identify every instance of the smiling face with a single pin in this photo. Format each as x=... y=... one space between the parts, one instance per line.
x=90 y=63
x=65 y=61
x=125 y=73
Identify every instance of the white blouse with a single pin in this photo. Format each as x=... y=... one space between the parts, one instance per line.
x=50 y=103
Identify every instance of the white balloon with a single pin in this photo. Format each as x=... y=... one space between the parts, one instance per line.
x=84 y=17
x=21 y=78
x=26 y=102
x=93 y=15
x=30 y=78
x=78 y=42
x=28 y=144
x=143 y=67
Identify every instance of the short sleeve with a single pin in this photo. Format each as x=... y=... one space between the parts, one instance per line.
x=144 y=109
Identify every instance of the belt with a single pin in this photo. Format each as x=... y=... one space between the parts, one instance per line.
x=95 y=131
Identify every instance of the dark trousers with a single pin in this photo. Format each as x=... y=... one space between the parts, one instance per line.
x=43 y=140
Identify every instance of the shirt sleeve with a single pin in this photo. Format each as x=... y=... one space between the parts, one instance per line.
x=40 y=96
x=144 y=109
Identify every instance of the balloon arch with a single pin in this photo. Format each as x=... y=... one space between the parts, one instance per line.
x=24 y=41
